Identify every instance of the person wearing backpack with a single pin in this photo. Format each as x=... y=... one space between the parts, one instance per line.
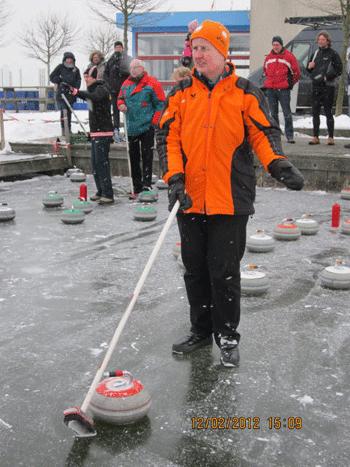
x=324 y=67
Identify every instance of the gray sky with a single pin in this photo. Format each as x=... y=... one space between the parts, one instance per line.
x=25 y=12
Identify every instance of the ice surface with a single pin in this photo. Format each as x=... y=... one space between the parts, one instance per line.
x=64 y=288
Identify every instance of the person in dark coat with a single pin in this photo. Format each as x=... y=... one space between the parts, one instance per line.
x=116 y=72
x=324 y=67
x=66 y=74
x=101 y=133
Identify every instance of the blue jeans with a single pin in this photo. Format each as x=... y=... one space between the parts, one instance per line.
x=100 y=166
x=282 y=96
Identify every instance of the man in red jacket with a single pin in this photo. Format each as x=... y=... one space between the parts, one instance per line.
x=281 y=70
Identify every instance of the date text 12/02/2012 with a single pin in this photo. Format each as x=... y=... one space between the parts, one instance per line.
x=246 y=423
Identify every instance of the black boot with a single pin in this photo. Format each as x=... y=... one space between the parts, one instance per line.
x=229 y=351
x=192 y=342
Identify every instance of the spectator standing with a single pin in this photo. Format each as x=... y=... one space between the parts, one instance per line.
x=186 y=59
x=324 y=68
x=116 y=71
x=66 y=74
x=97 y=59
x=142 y=99
x=101 y=133
x=282 y=72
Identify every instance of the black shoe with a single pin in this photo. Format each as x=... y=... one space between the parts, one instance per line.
x=291 y=141
x=192 y=342
x=347 y=146
x=229 y=351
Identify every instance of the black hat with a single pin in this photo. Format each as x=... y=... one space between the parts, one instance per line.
x=68 y=55
x=118 y=43
x=277 y=39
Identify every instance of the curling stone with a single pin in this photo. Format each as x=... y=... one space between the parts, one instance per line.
x=260 y=242
x=307 y=225
x=120 y=399
x=161 y=185
x=148 y=196
x=177 y=249
x=345 y=226
x=52 y=200
x=69 y=172
x=253 y=282
x=287 y=230
x=6 y=213
x=154 y=178
x=72 y=216
x=85 y=206
x=336 y=277
x=78 y=177
x=345 y=193
x=145 y=213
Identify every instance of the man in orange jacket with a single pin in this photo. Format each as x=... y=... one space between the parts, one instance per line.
x=208 y=127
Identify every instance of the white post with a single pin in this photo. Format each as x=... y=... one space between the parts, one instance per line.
x=2 y=129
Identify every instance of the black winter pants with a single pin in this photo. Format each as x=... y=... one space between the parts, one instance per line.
x=141 y=146
x=323 y=96
x=101 y=169
x=212 y=248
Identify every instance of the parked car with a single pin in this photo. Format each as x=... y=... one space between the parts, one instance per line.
x=303 y=46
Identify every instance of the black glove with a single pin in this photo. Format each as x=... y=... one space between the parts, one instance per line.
x=176 y=191
x=285 y=172
x=64 y=88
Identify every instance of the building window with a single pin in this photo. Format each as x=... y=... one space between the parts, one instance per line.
x=239 y=42
x=161 y=52
x=161 y=69
x=160 y=44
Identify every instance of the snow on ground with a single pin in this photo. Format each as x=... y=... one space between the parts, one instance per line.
x=341 y=123
x=29 y=126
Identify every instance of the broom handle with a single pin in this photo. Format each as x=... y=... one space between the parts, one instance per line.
x=73 y=112
x=129 y=309
x=128 y=153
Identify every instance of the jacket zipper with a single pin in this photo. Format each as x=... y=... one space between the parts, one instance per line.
x=207 y=145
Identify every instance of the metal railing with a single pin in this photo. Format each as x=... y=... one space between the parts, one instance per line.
x=35 y=98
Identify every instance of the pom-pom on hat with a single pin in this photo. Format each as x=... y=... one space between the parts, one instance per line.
x=215 y=33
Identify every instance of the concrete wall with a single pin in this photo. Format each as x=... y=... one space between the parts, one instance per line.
x=267 y=20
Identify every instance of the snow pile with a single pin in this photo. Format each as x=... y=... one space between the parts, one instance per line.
x=31 y=126
x=341 y=123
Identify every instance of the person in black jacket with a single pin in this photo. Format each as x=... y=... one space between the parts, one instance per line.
x=101 y=133
x=324 y=67
x=64 y=75
x=116 y=72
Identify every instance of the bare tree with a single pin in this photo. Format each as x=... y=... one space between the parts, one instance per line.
x=48 y=37
x=102 y=39
x=130 y=9
x=5 y=15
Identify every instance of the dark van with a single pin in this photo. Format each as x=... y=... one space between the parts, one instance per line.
x=303 y=46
